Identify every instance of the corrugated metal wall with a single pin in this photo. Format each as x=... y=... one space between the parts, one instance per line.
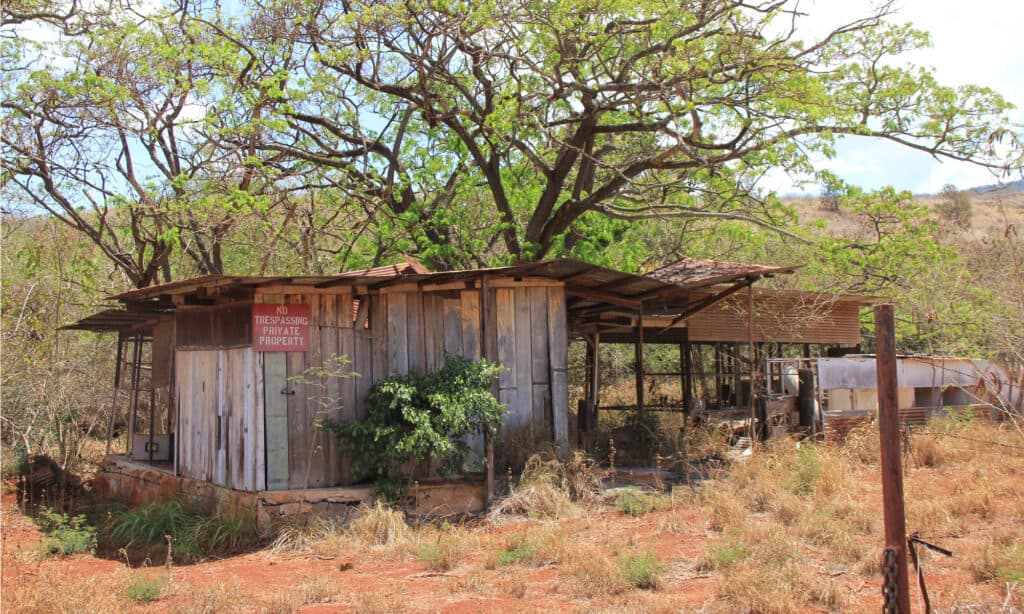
x=778 y=319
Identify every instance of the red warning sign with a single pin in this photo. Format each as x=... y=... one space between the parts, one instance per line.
x=280 y=328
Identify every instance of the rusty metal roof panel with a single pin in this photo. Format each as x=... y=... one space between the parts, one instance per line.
x=112 y=320
x=696 y=273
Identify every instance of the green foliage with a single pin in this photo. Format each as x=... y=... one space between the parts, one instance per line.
x=194 y=534
x=413 y=418
x=65 y=534
x=640 y=570
x=805 y=472
x=143 y=589
x=724 y=553
x=636 y=503
x=516 y=552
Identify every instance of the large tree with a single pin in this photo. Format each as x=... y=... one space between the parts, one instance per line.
x=111 y=128
x=538 y=115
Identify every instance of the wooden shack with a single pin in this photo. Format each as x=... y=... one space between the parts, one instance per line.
x=215 y=369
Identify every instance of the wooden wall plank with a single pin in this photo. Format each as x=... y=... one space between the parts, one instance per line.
x=247 y=472
x=470 y=307
x=558 y=341
x=379 y=333
x=433 y=330
x=415 y=332
x=523 y=360
x=315 y=403
x=258 y=426
x=505 y=313
x=185 y=382
x=452 y=326
x=330 y=307
x=223 y=396
x=275 y=373
x=397 y=337
x=298 y=424
x=540 y=360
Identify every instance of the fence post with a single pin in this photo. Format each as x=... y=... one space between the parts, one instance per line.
x=892 y=468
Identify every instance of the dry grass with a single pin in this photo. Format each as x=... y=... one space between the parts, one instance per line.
x=550 y=487
x=220 y=596
x=76 y=595
x=443 y=549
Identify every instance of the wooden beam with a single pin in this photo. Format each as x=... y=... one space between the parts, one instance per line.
x=604 y=297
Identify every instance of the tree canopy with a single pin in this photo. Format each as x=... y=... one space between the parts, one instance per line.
x=462 y=132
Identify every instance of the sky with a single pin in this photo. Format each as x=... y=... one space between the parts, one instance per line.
x=973 y=41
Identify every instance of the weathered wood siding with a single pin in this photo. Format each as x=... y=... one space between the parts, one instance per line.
x=408 y=329
x=220 y=432
x=299 y=452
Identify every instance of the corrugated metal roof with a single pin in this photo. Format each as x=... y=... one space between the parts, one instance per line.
x=112 y=320
x=592 y=284
x=696 y=273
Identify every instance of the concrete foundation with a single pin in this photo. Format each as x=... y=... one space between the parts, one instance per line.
x=135 y=484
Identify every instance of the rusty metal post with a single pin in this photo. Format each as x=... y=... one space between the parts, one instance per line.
x=892 y=468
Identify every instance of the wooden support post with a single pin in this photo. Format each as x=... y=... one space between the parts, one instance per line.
x=686 y=367
x=892 y=468
x=133 y=392
x=488 y=352
x=639 y=355
x=752 y=347
x=117 y=389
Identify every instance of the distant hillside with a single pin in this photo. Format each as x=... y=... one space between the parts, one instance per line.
x=999 y=188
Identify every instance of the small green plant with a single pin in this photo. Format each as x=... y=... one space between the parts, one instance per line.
x=640 y=570
x=143 y=589
x=65 y=534
x=517 y=550
x=806 y=471
x=634 y=503
x=723 y=554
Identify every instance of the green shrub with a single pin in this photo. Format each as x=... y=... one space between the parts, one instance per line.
x=411 y=418
x=143 y=589
x=65 y=534
x=517 y=550
x=636 y=503
x=641 y=570
x=806 y=471
x=193 y=534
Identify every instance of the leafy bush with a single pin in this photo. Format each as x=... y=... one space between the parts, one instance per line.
x=517 y=550
x=635 y=503
x=641 y=570
x=413 y=418
x=66 y=534
x=143 y=589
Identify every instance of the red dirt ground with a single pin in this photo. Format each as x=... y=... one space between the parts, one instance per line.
x=364 y=582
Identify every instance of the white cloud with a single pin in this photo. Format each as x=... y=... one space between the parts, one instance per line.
x=972 y=42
